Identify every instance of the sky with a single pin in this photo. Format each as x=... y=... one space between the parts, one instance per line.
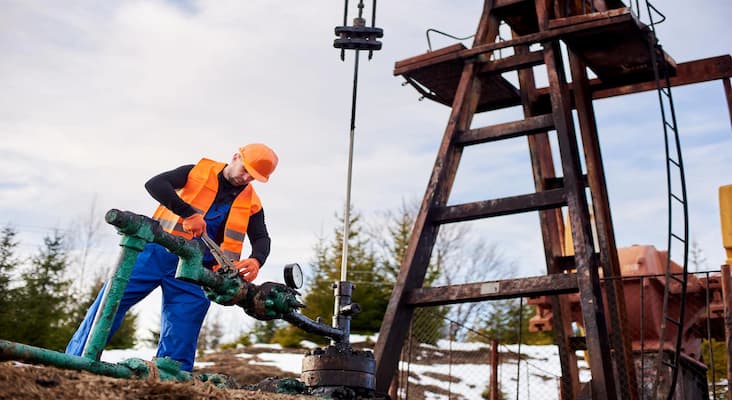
x=97 y=97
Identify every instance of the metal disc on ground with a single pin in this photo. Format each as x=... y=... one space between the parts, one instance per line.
x=339 y=367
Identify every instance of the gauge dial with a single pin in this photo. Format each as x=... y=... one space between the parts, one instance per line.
x=293 y=276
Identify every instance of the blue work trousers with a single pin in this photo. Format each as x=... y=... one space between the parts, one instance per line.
x=183 y=310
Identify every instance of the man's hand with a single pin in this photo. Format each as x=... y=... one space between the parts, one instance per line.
x=195 y=225
x=248 y=268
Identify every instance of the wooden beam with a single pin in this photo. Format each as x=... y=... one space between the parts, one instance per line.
x=598 y=20
x=603 y=380
x=505 y=3
x=528 y=126
x=554 y=198
x=398 y=315
x=552 y=231
x=448 y=53
x=614 y=294
x=697 y=71
x=512 y=63
x=493 y=290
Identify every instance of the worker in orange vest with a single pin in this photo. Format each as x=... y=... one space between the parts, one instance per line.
x=212 y=197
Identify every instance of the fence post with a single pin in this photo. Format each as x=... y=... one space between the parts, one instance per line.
x=727 y=295
x=494 y=370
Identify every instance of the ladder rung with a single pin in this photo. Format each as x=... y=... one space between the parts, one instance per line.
x=673 y=321
x=672 y=161
x=493 y=290
x=680 y=200
x=547 y=199
x=682 y=240
x=668 y=364
x=528 y=126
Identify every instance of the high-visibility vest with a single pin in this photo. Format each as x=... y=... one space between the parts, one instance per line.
x=200 y=191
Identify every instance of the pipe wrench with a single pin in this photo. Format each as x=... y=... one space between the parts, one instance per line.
x=227 y=266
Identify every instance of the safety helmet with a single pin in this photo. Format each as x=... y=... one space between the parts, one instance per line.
x=259 y=160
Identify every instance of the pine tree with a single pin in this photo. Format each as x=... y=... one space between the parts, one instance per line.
x=9 y=297
x=502 y=324
x=427 y=323
x=371 y=290
x=44 y=298
x=696 y=257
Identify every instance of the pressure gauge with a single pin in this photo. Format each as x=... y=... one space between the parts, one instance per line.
x=293 y=276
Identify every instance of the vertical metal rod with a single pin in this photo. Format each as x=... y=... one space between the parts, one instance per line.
x=373 y=23
x=709 y=338
x=728 y=92
x=409 y=361
x=347 y=212
x=643 y=334
x=518 y=357
x=494 y=370
x=727 y=297
x=449 y=362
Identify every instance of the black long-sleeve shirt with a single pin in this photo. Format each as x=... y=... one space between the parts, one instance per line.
x=163 y=188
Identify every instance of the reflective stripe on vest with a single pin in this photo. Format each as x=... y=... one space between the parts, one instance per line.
x=200 y=191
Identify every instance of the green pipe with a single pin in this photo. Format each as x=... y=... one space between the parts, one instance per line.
x=137 y=231
x=18 y=351
x=136 y=236
x=102 y=325
x=218 y=287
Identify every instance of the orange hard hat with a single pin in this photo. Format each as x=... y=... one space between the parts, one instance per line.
x=259 y=160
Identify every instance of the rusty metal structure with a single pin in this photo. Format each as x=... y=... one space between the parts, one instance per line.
x=643 y=270
x=606 y=37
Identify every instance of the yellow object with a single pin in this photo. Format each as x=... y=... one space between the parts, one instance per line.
x=569 y=242
x=725 y=213
x=259 y=160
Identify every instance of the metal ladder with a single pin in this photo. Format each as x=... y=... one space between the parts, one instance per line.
x=676 y=198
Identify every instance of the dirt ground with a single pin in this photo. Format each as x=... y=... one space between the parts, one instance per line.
x=23 y=381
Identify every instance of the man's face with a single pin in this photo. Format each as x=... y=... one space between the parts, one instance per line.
x=235 y=172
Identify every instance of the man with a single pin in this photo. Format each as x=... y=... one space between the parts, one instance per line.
x=211 y=197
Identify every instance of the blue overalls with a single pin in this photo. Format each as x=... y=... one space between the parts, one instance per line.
x=184 y=304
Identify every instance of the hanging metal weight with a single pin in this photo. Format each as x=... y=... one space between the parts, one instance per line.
x=358 y=37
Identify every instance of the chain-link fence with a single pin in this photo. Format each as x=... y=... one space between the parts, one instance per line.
x=702 y=362
x=443 y=358
x=449 y=357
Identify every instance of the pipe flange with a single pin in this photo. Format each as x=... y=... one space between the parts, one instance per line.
x=334 y=366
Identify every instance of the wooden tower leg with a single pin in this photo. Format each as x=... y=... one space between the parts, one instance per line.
x=552 y=231
x=622 y=346
x=588 y=279
x=398 y=315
